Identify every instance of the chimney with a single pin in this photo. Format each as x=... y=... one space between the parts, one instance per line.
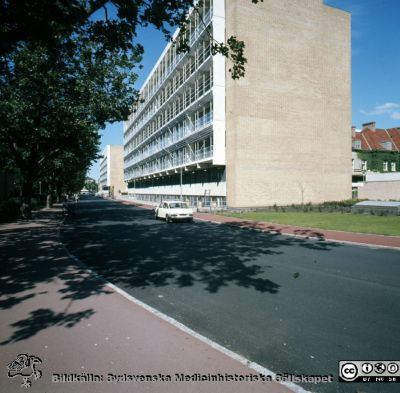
x=371 y=125
x=353 y=131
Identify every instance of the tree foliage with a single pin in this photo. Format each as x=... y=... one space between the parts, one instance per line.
x=67 y=67
x=91 y=185
x=53 y=101
x=45 y=21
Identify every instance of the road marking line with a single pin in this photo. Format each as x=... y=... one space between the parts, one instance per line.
x=233 y=355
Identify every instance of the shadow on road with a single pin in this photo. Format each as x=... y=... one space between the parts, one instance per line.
x=280 y=230
x=129 y=247
x=32 y=257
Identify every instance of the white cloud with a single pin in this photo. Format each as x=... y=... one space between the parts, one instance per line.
x=389 y=108
x=395 y=115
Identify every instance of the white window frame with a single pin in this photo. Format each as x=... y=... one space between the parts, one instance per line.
x=385 y=166
x=364 y=165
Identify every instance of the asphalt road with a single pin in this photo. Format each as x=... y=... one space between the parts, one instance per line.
x=292 y=305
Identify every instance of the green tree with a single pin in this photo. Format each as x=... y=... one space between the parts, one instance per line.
x=67 y=67
x=45 y=21
x=54 y=101
x=91 y=184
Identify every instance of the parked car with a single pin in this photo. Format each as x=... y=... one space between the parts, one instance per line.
x=173 y=211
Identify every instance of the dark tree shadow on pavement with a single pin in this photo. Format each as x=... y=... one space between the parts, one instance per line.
x=41 y=319
x=31 y=255
x=128 y=246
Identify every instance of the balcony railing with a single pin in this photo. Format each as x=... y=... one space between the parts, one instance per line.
x=172 y=163
x=192 y=39
x=143 y=120
x=174 y=137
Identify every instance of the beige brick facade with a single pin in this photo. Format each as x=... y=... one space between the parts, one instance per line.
x=288 y=120
x=112 y=169
x=117 y=169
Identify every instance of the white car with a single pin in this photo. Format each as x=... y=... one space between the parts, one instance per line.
x=173 y=211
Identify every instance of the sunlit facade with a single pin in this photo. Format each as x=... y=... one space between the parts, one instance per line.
x=111 y=180
x=266 y=138
x=174 y=144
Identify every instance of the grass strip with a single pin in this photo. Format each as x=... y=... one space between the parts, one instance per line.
x=380 y=225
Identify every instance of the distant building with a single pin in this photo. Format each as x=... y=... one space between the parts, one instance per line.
x=278 y=135
x=375 y=149
x=111 y=180
x=376 y=162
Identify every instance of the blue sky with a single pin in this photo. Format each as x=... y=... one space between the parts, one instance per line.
x=375 y=60
x=375 y=65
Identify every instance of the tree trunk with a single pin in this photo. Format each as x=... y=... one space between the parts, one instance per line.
x=59 y=194
x=49 y=201
x=27 y=191
x=26 y=196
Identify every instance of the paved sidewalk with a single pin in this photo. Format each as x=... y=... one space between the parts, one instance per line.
x=55 y=309
x=320 y=234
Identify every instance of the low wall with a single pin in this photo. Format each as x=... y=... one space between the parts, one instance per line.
x=382 y=190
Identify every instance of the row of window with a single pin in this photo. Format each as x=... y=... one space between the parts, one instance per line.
x=387 y=145
x=210 y=175
x=194 y=152
x=202 y=85
x=181 y=75
x=385 y=166
x=166 y=114
x=203 y=82
x=201 y=118
x=103 y=174
x=197 y=23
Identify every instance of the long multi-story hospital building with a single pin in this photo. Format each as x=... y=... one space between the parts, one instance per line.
x=279 y=135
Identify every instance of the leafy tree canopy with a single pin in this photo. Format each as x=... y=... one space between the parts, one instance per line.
x=45 y=21
x=91 y=184
x=54 y=100
x=67 y=67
